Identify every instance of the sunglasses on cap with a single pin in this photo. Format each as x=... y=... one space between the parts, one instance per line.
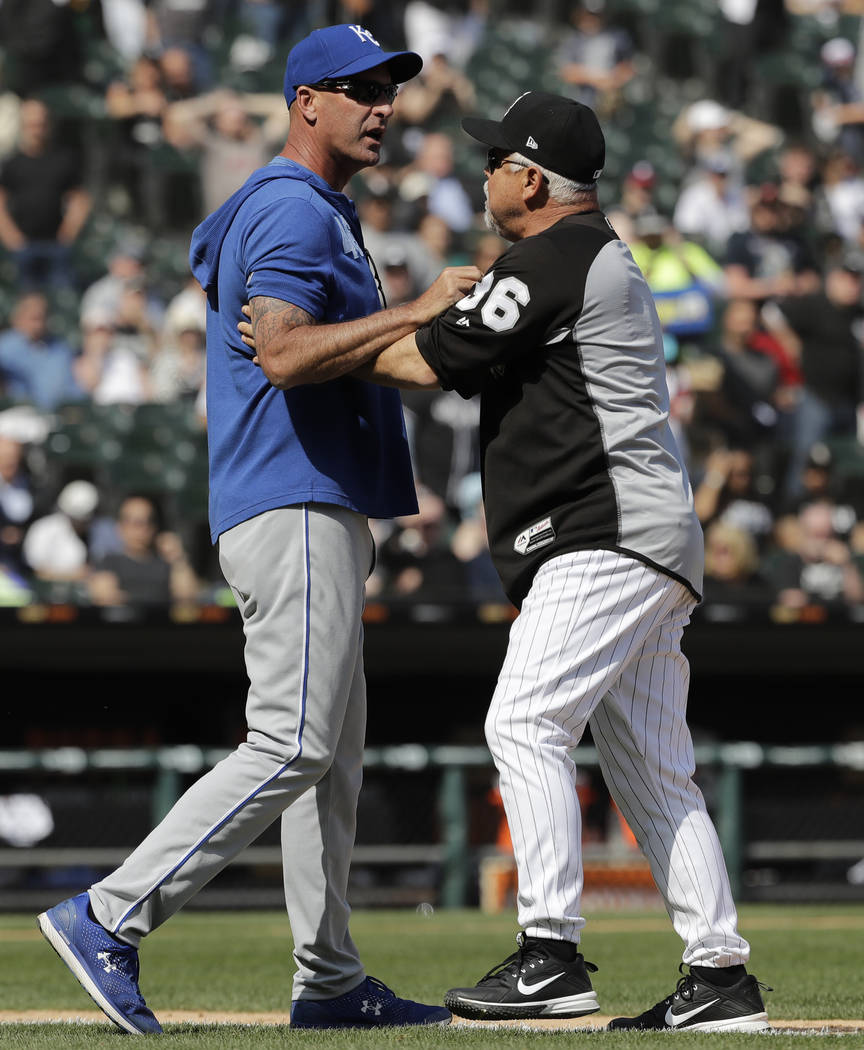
x=368 y=92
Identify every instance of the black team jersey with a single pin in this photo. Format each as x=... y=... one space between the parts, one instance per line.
x=562 y=341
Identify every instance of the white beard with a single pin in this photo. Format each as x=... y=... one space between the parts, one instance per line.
x=488 y=217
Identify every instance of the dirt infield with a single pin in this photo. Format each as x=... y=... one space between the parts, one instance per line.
x=593 y=1021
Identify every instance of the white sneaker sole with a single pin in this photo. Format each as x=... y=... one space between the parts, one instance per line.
x=566 y=1006
x=750 y=1023
x=70 y=957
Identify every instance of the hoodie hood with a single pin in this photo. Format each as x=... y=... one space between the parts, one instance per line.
x=208 y=237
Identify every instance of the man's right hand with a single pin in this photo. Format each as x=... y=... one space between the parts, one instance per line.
x=449 y=287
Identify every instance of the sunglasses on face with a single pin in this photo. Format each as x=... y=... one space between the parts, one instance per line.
x=368 y=92
x=494 y=160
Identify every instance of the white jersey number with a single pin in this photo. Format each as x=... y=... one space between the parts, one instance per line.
x=501 y=310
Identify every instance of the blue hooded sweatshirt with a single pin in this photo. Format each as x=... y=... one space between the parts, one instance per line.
x=287 y=235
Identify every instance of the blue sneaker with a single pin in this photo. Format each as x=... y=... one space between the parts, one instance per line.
x=369 y=1005
x=106 y=968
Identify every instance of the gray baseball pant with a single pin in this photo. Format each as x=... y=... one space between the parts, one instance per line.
x=298 y=574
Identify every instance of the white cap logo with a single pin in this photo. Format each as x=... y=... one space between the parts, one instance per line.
x=532 y=143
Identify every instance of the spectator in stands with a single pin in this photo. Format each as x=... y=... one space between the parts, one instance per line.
x=183 y=24
x=179 y=74
x=727 y=493
x=151 y=566
x=118 y=350
x=705 y=128
x=416 y=557
x=36 y=366
x=752 y=406
x=125 y=23
x=187 y=308
x=437 y=97
x=842 y=196
x=381 y=235
x=594 y=60
x=397 y=278
x=443 y=434
x=383 y=18
x=821 y=331
x=40 y=45
x=470 y=545
x=431 y=178
x=178 y=369
x=837 y=105
x=137 y=103
x=765 y=261
x=450 y=27
x=57 y=546
x=488 y=247
x=126 y=269
x=746 y=30
x=230 y=143
x=637 y=199
x=732 y=570
x=820 y=568
x=16 y=503
x=437 y=240
x=683 y=277
x=712 y=205
x=43 y=203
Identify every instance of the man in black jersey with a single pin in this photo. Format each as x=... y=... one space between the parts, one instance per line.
x=592 y=531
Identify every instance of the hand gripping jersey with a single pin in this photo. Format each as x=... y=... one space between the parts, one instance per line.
x=562 y=341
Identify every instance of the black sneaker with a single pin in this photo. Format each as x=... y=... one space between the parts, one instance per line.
x=699 y=1006
x=544 y=978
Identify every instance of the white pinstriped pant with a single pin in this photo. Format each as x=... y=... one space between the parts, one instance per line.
x=598 y=642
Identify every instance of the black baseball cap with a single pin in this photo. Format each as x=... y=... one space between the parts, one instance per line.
x=558 y=133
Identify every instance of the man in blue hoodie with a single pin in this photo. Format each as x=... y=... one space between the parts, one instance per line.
x=301 y=454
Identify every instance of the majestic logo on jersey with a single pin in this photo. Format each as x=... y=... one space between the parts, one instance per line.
x=532 y=143
x=364 y=34
x=463 y=322
x=538 y=535
x=349 y=241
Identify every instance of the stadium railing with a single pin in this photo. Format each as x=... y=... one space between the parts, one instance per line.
x=453 y=851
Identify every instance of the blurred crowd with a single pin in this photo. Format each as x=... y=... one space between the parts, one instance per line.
x=734 y=174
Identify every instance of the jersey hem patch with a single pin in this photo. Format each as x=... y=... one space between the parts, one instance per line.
x=538 y=535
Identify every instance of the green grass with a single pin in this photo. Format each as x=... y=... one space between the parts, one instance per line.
x=812 y=957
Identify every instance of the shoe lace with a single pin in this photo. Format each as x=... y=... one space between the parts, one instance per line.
x=125 y=961
x=516 y=963
x=686 y=985
x=381 y=987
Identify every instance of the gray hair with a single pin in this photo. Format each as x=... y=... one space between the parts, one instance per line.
x=561 y=189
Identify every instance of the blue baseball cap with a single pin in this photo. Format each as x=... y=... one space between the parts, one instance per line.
x=342 y=51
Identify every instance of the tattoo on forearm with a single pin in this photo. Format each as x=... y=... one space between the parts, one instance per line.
x=272 y=317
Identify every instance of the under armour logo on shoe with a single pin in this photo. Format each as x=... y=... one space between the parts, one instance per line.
x=368 y=1007
x=532 y=143
x=105 y=957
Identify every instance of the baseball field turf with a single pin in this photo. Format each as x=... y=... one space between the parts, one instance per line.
x=222 y=980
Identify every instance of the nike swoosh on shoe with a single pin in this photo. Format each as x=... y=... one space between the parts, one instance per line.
x=675 y=1020
x=529 y=989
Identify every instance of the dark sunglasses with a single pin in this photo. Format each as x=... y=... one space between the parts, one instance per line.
x=365 y=91
x=494 y=161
